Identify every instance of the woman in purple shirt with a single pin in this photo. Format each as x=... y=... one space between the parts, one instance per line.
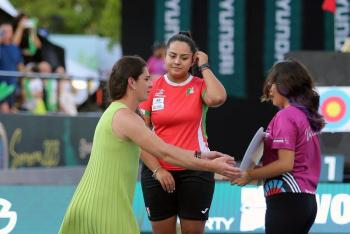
x=292 y=158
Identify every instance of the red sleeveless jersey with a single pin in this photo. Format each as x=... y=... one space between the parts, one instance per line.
x=177 y=113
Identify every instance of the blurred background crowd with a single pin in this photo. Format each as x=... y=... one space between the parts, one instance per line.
x=36 y=51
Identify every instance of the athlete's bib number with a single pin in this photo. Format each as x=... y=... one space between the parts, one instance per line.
x=157 y=104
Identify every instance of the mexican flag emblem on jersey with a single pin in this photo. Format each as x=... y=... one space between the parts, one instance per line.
x=189 y=91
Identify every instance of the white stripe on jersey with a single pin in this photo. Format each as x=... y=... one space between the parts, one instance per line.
x=289 y=179
x=202 y=145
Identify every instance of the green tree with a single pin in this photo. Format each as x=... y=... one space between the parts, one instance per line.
x=110 y=23
x=100 y=17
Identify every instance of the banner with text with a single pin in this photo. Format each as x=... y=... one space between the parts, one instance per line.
x=226 y=43
x=45 y=141
x=237 y=210
x=233 y=210
x=283 y=28
x=172 y=16
x=341 y=23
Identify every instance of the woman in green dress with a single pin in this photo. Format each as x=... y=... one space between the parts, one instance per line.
x=102 y=202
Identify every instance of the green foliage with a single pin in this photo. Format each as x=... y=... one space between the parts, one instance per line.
x=110 y=23
x=100 y=17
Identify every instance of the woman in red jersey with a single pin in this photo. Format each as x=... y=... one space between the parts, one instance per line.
x=176 y=110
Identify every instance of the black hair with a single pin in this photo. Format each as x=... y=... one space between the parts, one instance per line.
x=293 y=81
x=185 y=36
x=127 y=66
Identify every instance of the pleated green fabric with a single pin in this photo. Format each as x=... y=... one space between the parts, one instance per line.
x=102 y=202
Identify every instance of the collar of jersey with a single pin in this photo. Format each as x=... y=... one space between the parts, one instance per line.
x=183 y=83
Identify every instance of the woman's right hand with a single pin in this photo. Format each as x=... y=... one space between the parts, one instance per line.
x=224 y=165
x=166 y=179
x=22 y=22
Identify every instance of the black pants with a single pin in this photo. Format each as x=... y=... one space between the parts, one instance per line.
x=290 y=213
x=191 y=199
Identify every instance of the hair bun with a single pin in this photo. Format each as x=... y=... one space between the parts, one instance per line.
x=186 y=33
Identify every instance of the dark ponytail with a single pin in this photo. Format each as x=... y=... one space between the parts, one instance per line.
x=309 y=104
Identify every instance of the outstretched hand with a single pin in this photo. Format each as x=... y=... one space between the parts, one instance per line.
x=210 y=155
x=224 y=165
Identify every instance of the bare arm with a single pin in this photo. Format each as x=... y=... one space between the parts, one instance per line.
x=17 y=36
x=283 y=164
x=162 y=175
x=215 y=93
x=128 y=125
x=150 y=161
x=35 y=38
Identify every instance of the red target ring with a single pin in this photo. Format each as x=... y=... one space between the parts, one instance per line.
x=333 y=109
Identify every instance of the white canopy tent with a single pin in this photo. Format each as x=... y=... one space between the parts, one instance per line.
x=6 y=6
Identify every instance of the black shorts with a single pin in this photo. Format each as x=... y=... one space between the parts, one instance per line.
x=190 y=200
x=290 y=213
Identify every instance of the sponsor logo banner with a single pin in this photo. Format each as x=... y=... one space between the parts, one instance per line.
x=227 y=44
x=233 y=210
x=282 y=29
x=341 y=23
x=172 y=16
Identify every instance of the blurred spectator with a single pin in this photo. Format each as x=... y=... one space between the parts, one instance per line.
x=156 y=63
x=66 y=93
x=27 y=39
x=50 y=87
x=10 y=60
x=33 y=92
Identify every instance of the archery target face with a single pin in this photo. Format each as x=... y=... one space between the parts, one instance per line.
x=334 y=106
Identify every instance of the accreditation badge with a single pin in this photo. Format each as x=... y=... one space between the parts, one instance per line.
x=158 y=104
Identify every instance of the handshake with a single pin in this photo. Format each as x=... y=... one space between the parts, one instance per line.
x=226 y=168
x=222 y=164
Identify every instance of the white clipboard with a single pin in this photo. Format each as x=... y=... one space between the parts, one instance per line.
x=254 y=151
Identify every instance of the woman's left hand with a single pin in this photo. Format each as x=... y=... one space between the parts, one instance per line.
x=243 y=180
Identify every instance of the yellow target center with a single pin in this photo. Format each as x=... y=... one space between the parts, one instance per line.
x=333 y=109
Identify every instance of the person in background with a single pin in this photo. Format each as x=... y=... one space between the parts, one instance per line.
x=27 y=39
x=292 y=157
x=33 y=92
x=176 y=110
x=66 y=98
x=50 y=87
x=10 y=60
x=156 y=63
x=102 y=202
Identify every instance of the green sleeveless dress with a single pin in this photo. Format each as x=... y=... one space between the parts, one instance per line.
x=102 y=202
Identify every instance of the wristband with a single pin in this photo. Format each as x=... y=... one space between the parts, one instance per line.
x=155 y=172
x=197 y=154
x=203 y=67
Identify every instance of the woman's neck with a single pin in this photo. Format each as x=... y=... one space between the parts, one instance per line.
x=178 y=80
x=132 y=104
